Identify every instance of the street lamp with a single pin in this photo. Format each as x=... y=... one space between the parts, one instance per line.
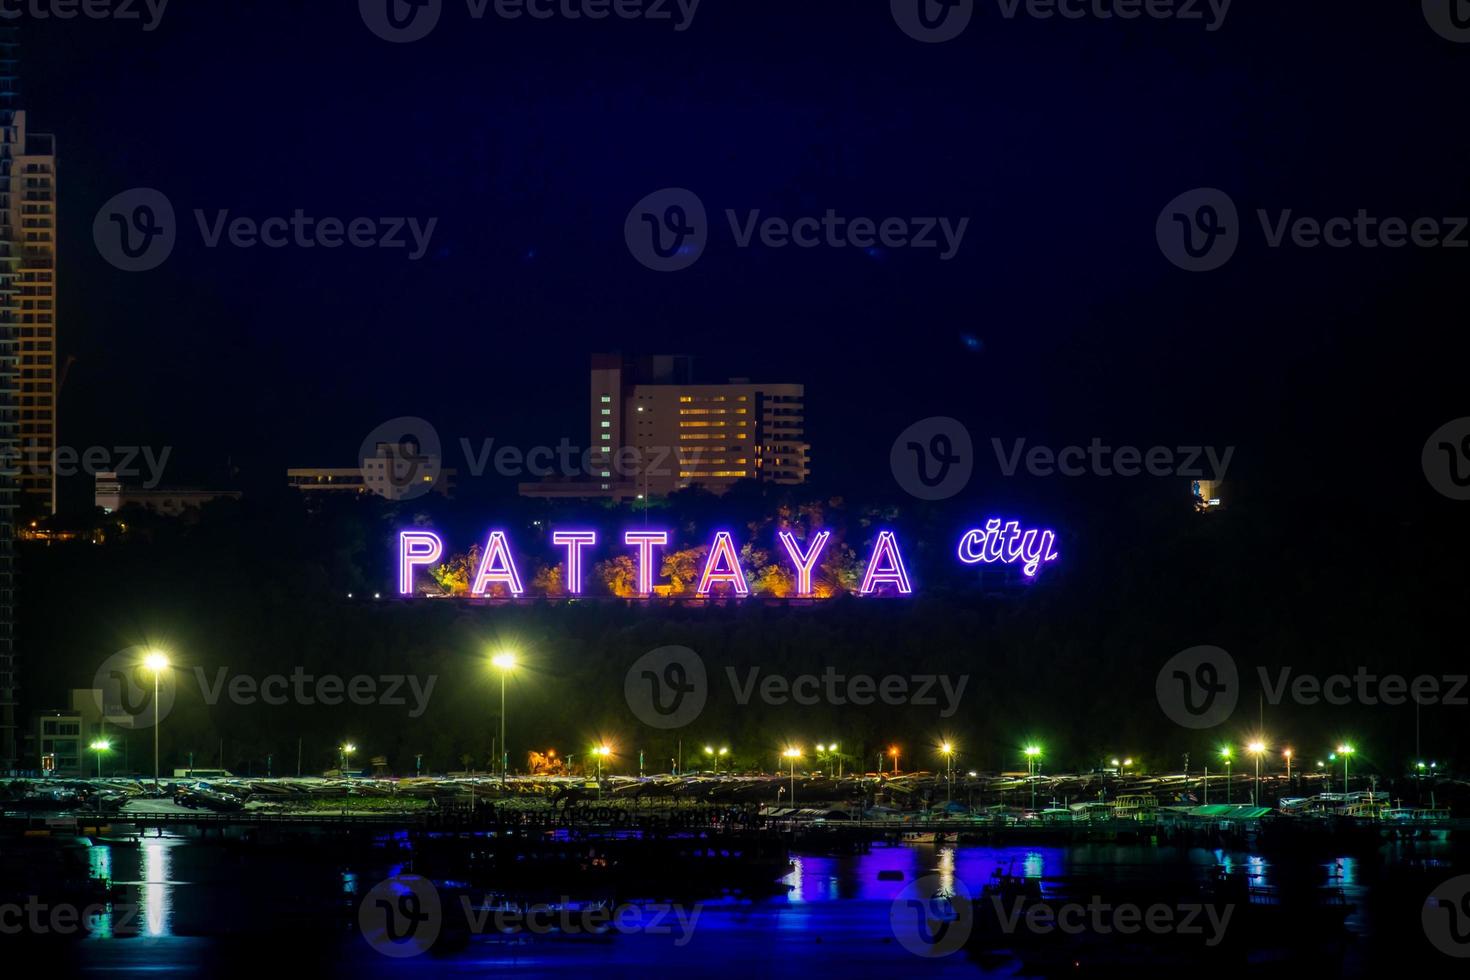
x=347 y=749
x=893 y=751
x=505 y=662
x=156 y=661
x=1033 y=768
x=1257 y=748
x=1229 y=762
x=948 y=750
x=833 y=749
x=1345 y=750
x=793 y=753
x=100 y=746
x=1287 y=756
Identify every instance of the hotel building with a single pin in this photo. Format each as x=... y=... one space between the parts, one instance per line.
x=653 y=431
x=27 y=352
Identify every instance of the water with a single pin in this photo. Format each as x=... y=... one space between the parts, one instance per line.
x=207 y=910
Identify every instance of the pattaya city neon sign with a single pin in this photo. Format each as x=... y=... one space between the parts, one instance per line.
x=997 y=543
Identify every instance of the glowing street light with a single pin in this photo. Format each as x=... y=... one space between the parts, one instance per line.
x=505 y=662
x=100 y=746
x=1257 y=748
x=947 y=750
x=156 y=661
x=1286 y=754
x=1345 y=750
x=346 y=749
x=1033 y=769
x=893 y=751
x=793 y=753
x=1225 y=754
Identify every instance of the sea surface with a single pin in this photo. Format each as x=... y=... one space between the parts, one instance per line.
x=192 y=909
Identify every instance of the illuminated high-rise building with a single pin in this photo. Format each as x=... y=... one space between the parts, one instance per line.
x=654 y=431
x=27 y=352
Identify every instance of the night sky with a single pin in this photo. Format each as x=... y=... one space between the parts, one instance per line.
x=530 y=141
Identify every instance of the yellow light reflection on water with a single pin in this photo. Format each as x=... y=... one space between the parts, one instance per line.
x=946 y=870
x=156 y=900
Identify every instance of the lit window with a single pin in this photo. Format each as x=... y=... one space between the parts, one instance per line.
x=608 y=411
x=606 y=399
x=606 y=424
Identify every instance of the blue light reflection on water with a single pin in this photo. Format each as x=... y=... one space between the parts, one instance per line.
x=833 y=917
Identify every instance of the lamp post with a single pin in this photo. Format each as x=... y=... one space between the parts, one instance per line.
x=793 y=753
x=347 y=749
x=1257 y=748
x=504 y=662
x=1229 y=771
x=156 y=661
x=893 y=751
x=1033 y=768
x=1287 y=755
x=1345 y=750
x=948 y=750
x=833 y=747
x=100 y=746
